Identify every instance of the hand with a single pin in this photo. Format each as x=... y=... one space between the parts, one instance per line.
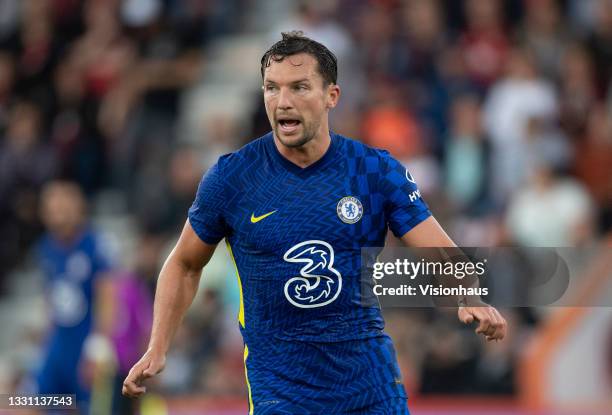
x=491 y=324
x=98 y=359
x=148 y=366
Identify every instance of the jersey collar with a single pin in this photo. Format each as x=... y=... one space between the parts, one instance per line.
x=294 y=168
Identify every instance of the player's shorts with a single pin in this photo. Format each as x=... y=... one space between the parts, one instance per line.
x=59 y=373
x=305 y=377
x=391 y=406
x=59 y=376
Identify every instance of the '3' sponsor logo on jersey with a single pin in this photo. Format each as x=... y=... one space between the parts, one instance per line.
x=319 y=282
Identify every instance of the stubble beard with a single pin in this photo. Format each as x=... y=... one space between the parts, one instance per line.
x=307 y=135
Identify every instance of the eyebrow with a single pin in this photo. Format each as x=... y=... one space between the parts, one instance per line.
x=299 y=81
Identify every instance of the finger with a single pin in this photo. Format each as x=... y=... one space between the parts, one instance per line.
x=150 y=371
x=483 y=322
x=486 y=321
x=133 y=381
x=133 y=392
x=153 y=369
x=495 y=322
x=135 y=375
x=495 y=317
x=132 y=389
x=498 y=325
x=465 y=316
x=502 y=326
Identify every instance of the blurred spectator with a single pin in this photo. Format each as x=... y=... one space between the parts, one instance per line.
x=206 y=345
x=544 y=36
x=594 y=164
x=37 y=52
x=102 y=53
x=219 y=135
x=138 y=115
x=421 y=41
x=314 y=19
x=545 y=144
x=66 y=15
x=217 y=351
x=73 y=259
x=467 y=158
x=449 y=366
x=162 y=208
x=102 y=58
x=77 y=143
x=200 y=22
x=7 y=78
x=578 y=91
x=373 y=31
x=25 y=165
x=599 y=43
x=550 y=211
x=424 y=37
x=178 y=375
x=582 y=15
x=389 y=124
x=9 y=21
x=496 y=368
x=484 y=43
x=25 y=162
x=515 y=99
x=140 y=13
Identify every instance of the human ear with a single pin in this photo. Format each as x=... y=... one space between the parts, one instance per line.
x=333 y=95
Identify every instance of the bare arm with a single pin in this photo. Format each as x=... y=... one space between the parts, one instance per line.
x=429 y=234
x=176 y=287
x=105 y=305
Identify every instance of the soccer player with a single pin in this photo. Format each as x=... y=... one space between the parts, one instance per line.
x=74 y=260
x=295 y=207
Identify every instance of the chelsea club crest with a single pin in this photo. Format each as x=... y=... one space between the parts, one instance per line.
x=349 y=209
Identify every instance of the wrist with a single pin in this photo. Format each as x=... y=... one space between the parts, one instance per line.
x=470 y=301
x=157 y=349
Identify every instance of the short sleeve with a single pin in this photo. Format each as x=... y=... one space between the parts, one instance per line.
x=206 y=214
x=404 y=206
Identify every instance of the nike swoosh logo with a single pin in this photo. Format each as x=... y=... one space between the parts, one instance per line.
x=255 y=219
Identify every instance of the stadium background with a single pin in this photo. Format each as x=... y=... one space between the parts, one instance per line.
x=501 y=109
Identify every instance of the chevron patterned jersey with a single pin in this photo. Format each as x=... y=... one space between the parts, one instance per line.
x=296 y=234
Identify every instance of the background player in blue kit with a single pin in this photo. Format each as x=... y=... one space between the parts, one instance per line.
x=73 y=259
x=296 y=207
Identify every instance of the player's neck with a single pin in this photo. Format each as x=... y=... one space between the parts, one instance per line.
x=307 y=154
x=69 y=237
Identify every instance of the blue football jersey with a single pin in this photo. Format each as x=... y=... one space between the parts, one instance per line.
x=296 y=234
x=70 y=275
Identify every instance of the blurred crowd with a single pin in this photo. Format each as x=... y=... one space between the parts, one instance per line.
x=502 y=110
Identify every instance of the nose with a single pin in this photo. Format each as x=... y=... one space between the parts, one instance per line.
x=284 y=99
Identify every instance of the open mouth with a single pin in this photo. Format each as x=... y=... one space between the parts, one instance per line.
x=288 y=125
